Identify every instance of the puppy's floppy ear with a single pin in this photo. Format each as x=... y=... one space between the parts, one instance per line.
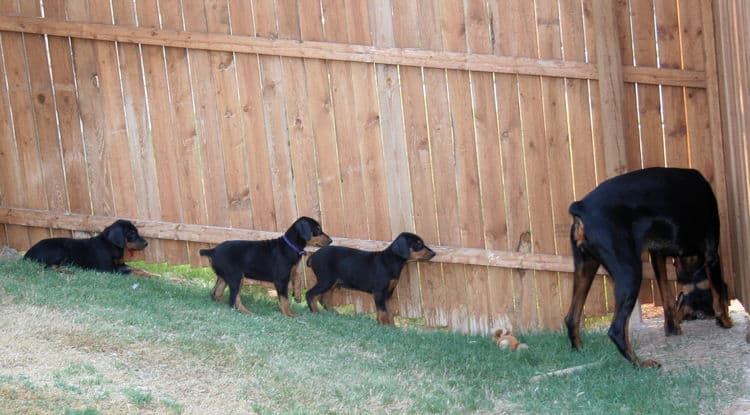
x=400 y=247
x=303 y=229
x=116 y=236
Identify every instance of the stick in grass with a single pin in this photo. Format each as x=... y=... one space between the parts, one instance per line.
x=565 y=371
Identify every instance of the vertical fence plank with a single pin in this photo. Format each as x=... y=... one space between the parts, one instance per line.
x=91 y=110
x=347 y=137
x=406 y=29
x=534 y=149
x=507 y=24
x=207 y=120
x=251 y=101
x=396 y=162
x=443 y=159
x=223 y=71
x=582 y=149
x=717 y=137
x=470 y=216
x=272 y=81
x=117 y=154
x=188 y=153
x=68 y=116
x=161 y=137
x=557 y=162
x=26 y=135
x=10 y=183
x=648 y=95
x=323 y=130
x=44 y=115
x=143 y=171
x=298 y=121
x=673 y=101
x=499 y=290
x=367 y=117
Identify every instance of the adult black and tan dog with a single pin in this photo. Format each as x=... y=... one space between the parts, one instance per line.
x=271 y=260
x=103 y=252
x=670 y=212
x=373 y=272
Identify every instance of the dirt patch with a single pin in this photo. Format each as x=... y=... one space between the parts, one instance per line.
x=49 y=362
x=702 y=343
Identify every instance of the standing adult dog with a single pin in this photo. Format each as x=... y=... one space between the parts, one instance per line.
x=269 y=260
x=103 y=252
x=668 y=211
x=373 y=272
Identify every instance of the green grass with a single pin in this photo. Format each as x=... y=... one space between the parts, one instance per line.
x=332 y=363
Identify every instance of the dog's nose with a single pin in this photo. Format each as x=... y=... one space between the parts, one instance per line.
x=145 y=243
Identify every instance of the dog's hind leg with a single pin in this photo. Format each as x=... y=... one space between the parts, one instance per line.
x=585 y=271
x=718 y=291
x=380 y=300
x=671 y=324
x=282 y=288
x=217 y=293
x=627 y=273
x=318 y=290
x=234 y=294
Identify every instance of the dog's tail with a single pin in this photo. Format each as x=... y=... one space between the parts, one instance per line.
x=206 y=252
x=576 y=209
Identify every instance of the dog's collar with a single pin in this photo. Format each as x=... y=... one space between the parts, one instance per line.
x=300 y=252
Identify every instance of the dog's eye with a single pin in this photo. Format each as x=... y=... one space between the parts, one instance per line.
x=418 y=246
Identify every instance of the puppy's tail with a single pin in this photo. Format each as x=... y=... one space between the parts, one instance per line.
x=206 y=252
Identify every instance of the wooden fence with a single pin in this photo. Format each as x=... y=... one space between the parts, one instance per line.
x=733 y=44
x=474 y=124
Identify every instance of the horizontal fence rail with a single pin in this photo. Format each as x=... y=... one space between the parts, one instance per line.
x=217 y=234
x=345 y=52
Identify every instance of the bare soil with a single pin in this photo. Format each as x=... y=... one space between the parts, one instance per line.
x=55 y=363
x=702 y=343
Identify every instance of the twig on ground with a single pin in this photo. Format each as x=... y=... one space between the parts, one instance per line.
x=565 y=371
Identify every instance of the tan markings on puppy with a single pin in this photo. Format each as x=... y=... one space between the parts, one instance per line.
x=217 y=293
x=320 y=240
x=326 y=297
x=314 y=305
x=241 y=308
x=382 y=317
x=284 y=306
x=688 y=288
x=136 y=246
x=422 y=254
x=703 y=285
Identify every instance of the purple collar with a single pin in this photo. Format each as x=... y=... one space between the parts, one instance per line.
x=300 y=252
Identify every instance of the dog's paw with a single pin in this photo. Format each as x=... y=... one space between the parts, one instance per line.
x=724 y=321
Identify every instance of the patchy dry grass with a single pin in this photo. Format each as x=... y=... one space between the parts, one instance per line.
x=88 y=342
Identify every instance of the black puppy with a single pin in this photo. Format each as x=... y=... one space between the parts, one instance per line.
x=668 y=211
x=268 y=260
x=372 y=272
x=695 y=300
x=103 y=252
